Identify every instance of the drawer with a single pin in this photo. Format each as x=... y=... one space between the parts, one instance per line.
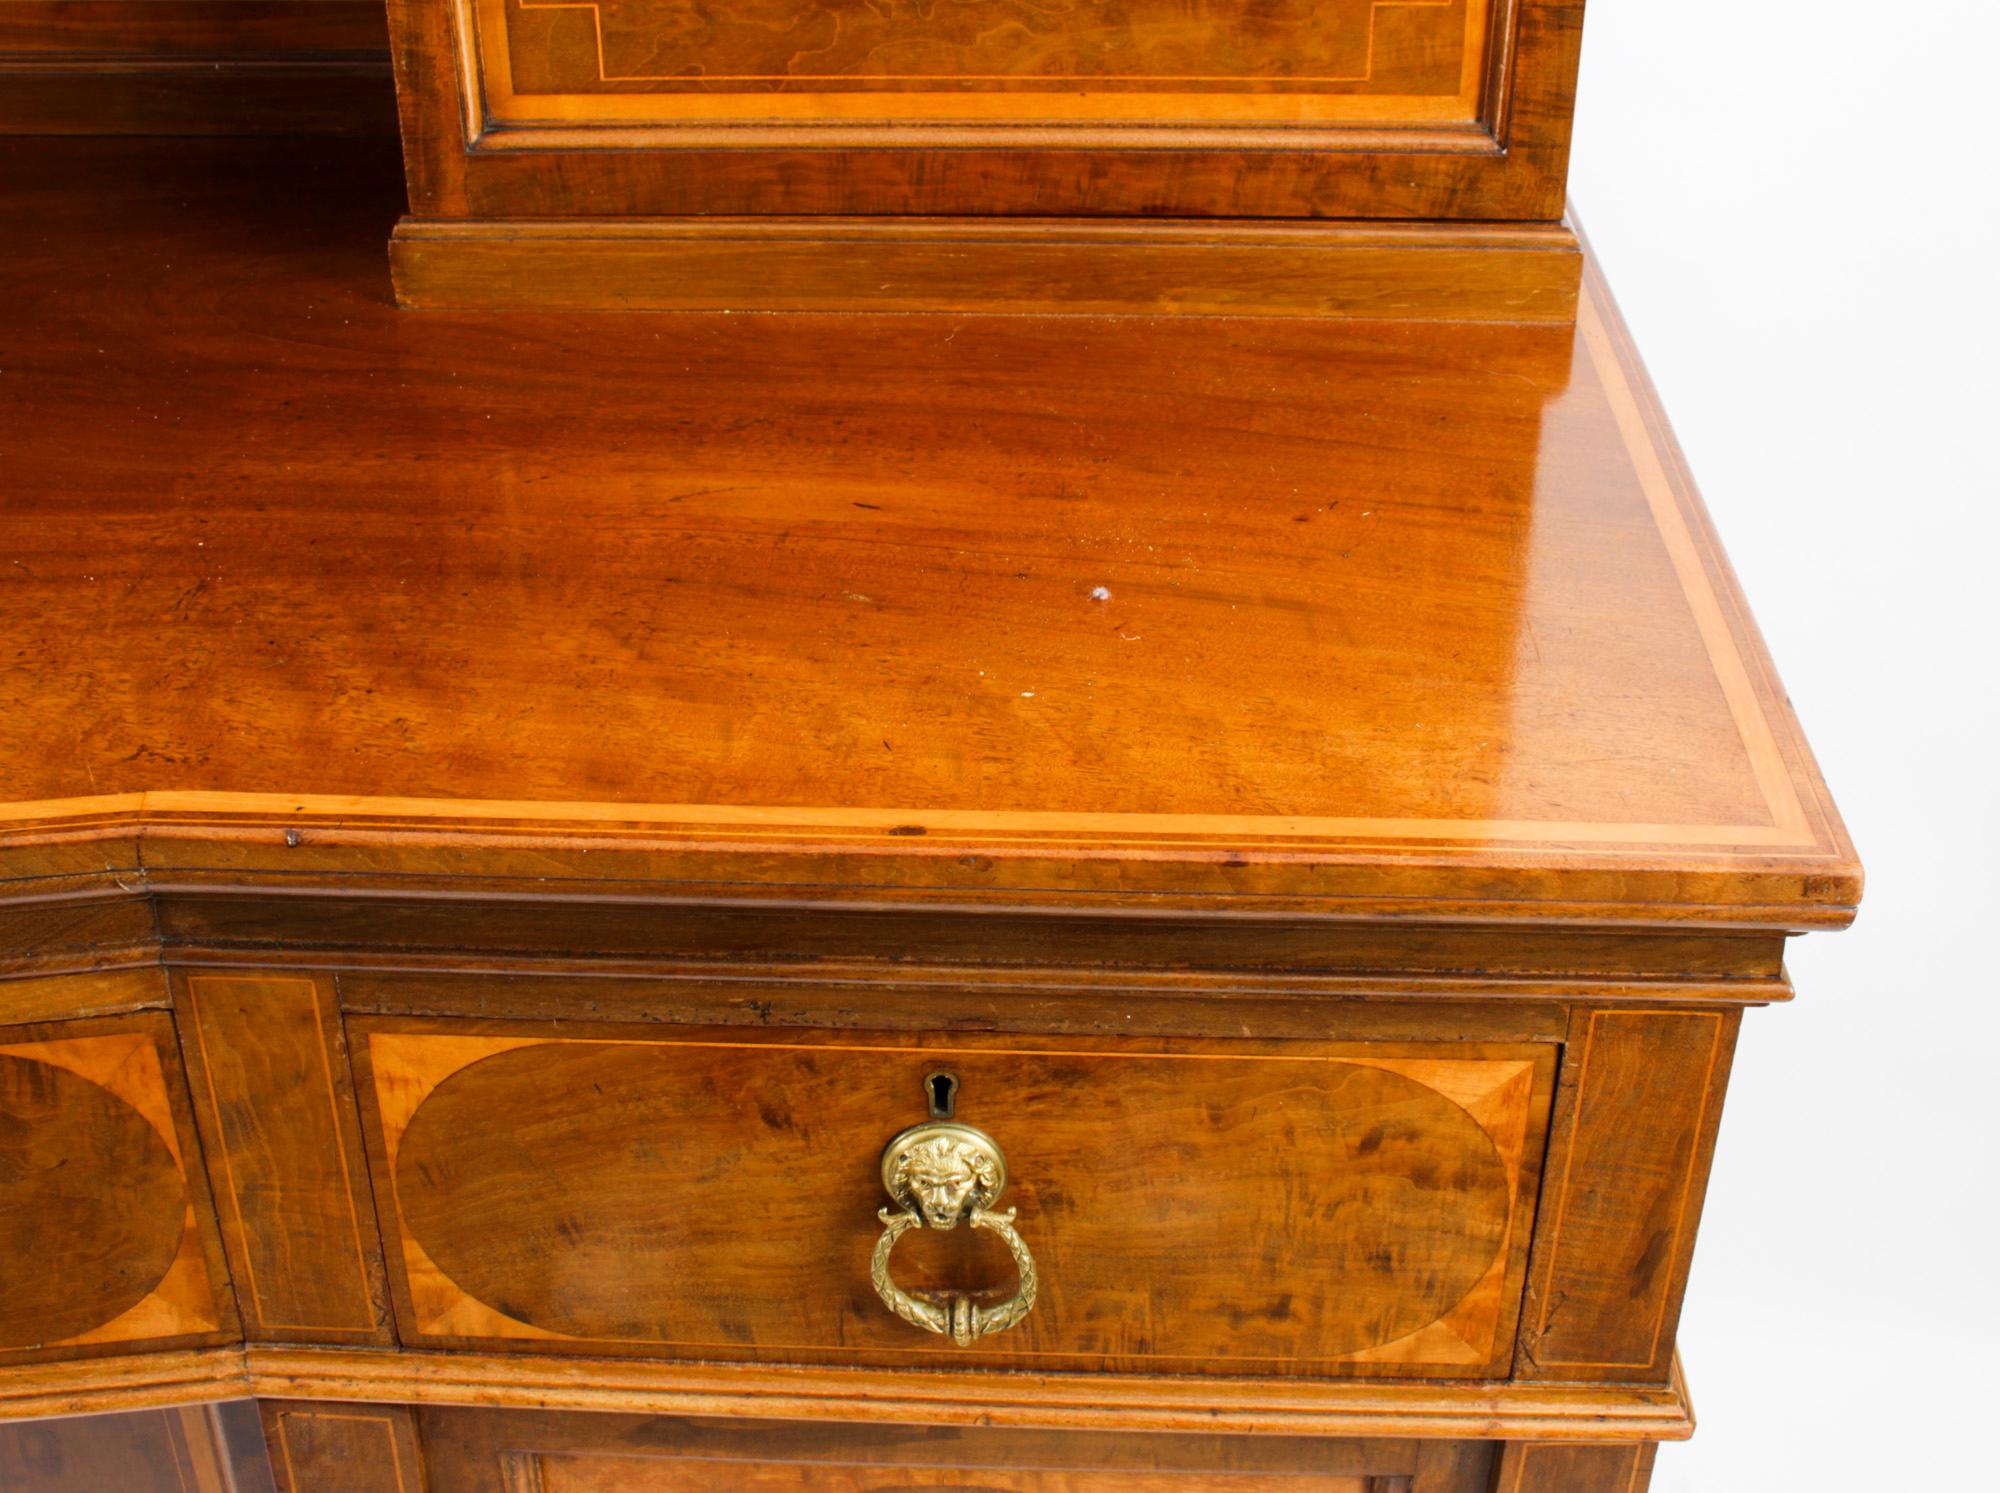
x=1313 y=1208
x=476 y=1451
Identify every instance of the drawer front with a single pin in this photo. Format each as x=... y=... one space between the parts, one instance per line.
x=474 y=1451
x=1309 y=1208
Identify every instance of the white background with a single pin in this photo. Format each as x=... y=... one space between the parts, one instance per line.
x=1795 y=206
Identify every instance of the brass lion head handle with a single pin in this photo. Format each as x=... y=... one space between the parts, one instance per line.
x=941 y=1175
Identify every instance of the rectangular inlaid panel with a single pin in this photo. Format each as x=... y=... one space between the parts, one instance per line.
x=1292 y=61
x=478 y=1451
x=107 y=1232
x=341 y=1448
x=1642 y=1098
x=271 y=1092
x=1305 y=1208
x=1536 y=1467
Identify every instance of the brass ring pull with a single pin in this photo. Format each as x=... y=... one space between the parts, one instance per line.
x=941 y=1175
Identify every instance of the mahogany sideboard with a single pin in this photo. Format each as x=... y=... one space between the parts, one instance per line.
x=510 y=819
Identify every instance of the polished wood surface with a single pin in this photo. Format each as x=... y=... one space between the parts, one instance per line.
x=1452 y=1412
x=619 y=1192
x=98 y=1192
x=1642 y=1102
x=268 y=1066
x=1474 y=122
x=106 y=1227
x=1412 y=612
x=208 y=29
x=517 y=804
x=1434 y=271
x=473 y=1451
x=334 y=1448
x=790 y=155
x=1530 y=1467
x=194 y=67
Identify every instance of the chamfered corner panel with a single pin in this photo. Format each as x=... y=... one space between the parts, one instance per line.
x=273 y=1097
x=104 y=1218
x=1318 y=1209
x=1635 y=1130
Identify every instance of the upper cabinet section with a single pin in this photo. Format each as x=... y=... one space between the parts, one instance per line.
x=1369 y=109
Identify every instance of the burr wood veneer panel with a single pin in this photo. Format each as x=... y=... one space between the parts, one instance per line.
x=1305 y=1208
x=105 y=1225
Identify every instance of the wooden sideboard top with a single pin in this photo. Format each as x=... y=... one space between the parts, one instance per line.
x=1386 y=619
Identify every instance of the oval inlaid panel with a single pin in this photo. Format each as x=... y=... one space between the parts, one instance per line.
x=1208 y=1208
x=92 y=1207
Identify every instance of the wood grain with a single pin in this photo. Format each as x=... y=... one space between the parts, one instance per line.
x=94 y=1204
x=193 y=67
x=68 y=996
x=1531 y=1468
x=1498 y=151
x=509 y=680
x=1439 y=1409
x=343 y=1448
x=134 y=1378
x=269 y=1070
x=472 y=1450
x=205 y=29
x=1163 y=1191
x=1641 y=1104
x=1598 y=724
x=105 y=1211
x=1447 y=272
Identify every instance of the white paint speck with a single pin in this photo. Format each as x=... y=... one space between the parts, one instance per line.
x=1100 y=593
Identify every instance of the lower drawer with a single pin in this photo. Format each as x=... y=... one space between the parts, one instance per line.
x=1312 y=1208
x=486 y=1451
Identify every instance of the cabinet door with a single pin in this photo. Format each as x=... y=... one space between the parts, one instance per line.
x=1398 y=109
x=105 y=1219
